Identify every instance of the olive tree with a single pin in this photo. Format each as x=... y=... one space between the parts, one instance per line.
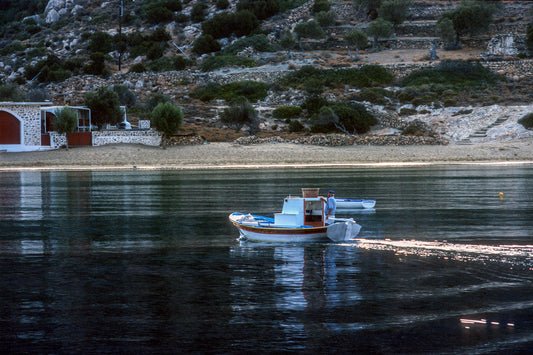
x=65 y=122
x=167 y=118
x=309 y=29
x=447 y=33
x=379 y=28
x=358 y=39
x=470 y=17
x=394 y=11
x=240 y=113
x=105 y=106
x=287 y=41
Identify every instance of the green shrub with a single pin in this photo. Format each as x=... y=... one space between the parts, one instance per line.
x=97 y=64
x=137 y=68
x=155 y=50
x=407 y=111
x=454 y=73
x=287 y=111
x=240 y=113
x=353 y=118
x=321 y=6
x=157 y=11
x=180 y=63
x=252 y=90
x=156 y=99
x=527 y=121
x=162 y=64
x=158 y=14
x=105 y=106
x=221 y=25
x=13 y=47
x=206 y=93
x=167 y=118
x=66 y=121
x=325 y=120
x=296 y=126
x=365 y=76
x=262 y=9
x=412 y=130
x=529 y=38
x=313 y=104
x=205 y=44
x=152 y=45
x=51 y=69
x=11 y=92
x=325 y=19
x=220 y=61
x=198 y=12
x=100 y=42
x=244 y=23
x=375 y=95
x=222 y=4
x=125 y=96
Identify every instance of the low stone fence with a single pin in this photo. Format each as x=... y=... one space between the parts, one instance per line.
x=57 y=140
x=146 y=137
x=336 y=140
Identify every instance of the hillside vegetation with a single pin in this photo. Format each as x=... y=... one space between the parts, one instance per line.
x=309 y=45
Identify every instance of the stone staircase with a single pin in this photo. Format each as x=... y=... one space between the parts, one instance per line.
x=482 y=132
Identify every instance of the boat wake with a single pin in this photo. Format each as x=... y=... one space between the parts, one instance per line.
x=517 y=255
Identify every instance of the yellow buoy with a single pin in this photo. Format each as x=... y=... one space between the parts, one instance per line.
x=501 y=195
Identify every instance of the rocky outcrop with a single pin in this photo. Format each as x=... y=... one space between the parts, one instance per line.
x=56 y=9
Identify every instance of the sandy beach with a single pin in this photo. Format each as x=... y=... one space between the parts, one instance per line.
x=230 y=155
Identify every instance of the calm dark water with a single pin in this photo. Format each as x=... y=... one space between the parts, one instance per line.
x=146 y=262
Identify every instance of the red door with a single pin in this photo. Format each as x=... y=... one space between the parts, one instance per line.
x=80 y=138
x=9 y=128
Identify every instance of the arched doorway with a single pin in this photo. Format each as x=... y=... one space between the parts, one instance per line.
x=9 y=129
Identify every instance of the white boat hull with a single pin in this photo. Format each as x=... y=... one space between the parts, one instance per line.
x=257 y=228
x=350 y=203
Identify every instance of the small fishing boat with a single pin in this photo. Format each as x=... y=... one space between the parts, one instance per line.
x=350 y=203
x=302 y=219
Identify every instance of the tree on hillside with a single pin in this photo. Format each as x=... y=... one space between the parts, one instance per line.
x=470 y=17
x=358 y=39
x=529 y=38
x=105 y=106
x=394 y=11
x=367 y=8
x=167 y=118
x=240 y=113
x=379 y=28
x=446 y=32
x=309 y=29
x=100 y=42
x=287 y=42
x=65 y=122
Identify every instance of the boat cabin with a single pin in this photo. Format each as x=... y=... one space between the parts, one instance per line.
x=301 y=211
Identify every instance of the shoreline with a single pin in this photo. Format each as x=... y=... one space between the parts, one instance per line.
x=270 y=166
x=268 y=155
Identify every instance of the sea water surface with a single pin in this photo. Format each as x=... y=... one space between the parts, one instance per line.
x=131 y=261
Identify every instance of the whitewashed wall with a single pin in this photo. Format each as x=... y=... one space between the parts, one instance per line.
x=146 y=137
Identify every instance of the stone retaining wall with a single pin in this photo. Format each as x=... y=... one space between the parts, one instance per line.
x=146 y=137
x=336 y=140
x=57 y=140
x=409 y=43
